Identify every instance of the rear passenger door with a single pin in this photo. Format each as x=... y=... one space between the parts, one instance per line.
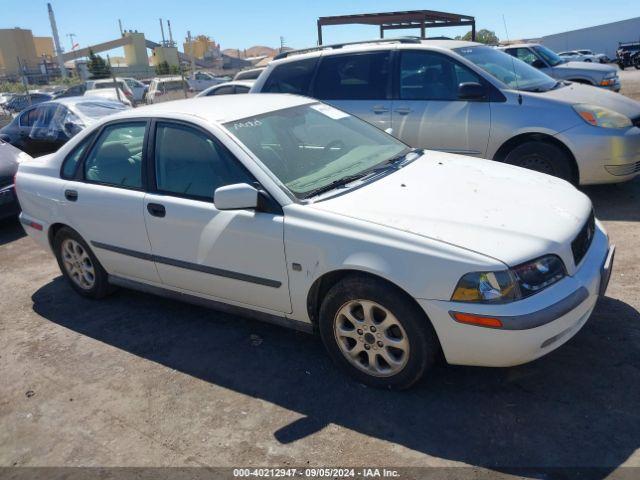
x=358 y=83
x=103 y=198
x=427 y=112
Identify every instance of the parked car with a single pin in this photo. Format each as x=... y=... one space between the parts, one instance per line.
x=108 y=83
x=547 y=61
x=628 y=55
x=21 y=101
x=44 y=128
x=163 y=89
x=228 y=88
x=576 y=56
x=5 y=97
x=202 y=80
x=111 y=94
x=250 y=74
x=290 y=210
x=10 y=158
x=138 y=89
x=599 y=57
x=472 y=99
x=73 y=91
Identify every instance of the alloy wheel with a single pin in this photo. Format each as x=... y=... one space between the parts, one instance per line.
x=78 y=264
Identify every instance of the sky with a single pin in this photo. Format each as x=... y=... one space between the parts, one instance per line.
x=242 y=24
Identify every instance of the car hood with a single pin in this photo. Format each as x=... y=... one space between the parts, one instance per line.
x=504 y=212
x=588 y=66
x=576 y=93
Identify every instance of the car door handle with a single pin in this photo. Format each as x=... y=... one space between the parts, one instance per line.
x=71 y=195
x=402 y=110
x=378 y=109
x=156 y=209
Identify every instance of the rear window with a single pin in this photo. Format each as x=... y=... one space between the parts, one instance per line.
x=293 y=77
x=362 y=76
x=109 y=85
x=169 y=86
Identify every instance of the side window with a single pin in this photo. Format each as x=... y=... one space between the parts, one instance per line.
x=242 y=89
x=226 y=90
x=116 y=158
x=525 y=55
x=189 y=163
x=28 y=118
x=353 y=77
x=71 y=162
x=431 y=76
x=292 y=77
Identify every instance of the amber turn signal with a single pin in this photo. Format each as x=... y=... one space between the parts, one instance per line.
x=476 y=320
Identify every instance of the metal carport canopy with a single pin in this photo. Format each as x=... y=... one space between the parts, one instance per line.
x=421 y=19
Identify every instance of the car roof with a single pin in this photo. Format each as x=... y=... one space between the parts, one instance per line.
x=219 y=109
x=519 y=45
x=73 y=101
x=387 y=44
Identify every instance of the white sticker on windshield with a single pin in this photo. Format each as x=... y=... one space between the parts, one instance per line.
x=330 y=111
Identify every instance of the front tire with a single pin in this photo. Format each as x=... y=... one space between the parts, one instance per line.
x=79 y=265
x=542 y=157
x=374 y=333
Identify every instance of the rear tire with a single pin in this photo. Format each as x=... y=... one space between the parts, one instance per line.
x=79 y=265
x=542 y=157
x=375 y=334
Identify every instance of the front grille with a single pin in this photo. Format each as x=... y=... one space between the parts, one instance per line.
x=621 y=170
x=583 y=240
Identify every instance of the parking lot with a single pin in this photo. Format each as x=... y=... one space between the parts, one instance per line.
x=136 y=380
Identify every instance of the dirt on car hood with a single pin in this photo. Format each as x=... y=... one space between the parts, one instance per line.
x=505 y=212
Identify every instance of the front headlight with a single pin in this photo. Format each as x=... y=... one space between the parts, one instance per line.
x=601 y=116
x=508 y=285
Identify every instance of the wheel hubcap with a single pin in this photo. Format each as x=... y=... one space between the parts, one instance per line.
x=78 y=264
x=537 y=163
x=371 y=338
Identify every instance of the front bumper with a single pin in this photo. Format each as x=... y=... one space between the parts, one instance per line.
x=9 y=206
x=539 y=324
x=604 y=155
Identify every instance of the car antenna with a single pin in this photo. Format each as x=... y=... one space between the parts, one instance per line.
x=513 y=62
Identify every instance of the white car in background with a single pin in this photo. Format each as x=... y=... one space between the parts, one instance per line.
x=289 y=210
x=138 y=89
x=600 y=57
x=576 y=56
x=164 y=89
x=202 y=80
x=110 y=94
x=228 y=88
x=109 y=84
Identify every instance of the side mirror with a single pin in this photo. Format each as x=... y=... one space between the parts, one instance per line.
x=537 y=63
x=238 y=196
x=471 y=91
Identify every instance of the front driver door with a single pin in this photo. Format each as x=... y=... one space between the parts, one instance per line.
x=234 y=256
x=427 y=112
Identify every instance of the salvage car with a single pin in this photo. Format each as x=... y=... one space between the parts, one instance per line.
x=10 y=158
x=564 y=68
x=472 y=99
x=47 y=126
x=228 y=88
x=289 y=210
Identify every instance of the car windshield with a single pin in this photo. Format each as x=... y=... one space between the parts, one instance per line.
x=99 y=109
x=312 y=147
x=514 y=73
x=549 y=56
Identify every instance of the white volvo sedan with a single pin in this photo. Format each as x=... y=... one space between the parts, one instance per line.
x=290 y=210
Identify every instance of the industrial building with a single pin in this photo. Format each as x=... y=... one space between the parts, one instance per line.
x=19 y=49
x=599 y=39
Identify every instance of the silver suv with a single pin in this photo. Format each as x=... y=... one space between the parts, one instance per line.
x=578 y=69
x=471 y=99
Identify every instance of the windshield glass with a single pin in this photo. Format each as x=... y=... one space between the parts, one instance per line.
x=99 y=109
x=549 y=56
x=514 y=73
x=310 y=147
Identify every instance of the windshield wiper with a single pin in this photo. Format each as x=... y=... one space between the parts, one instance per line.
x=395 y=160
x=336 y=183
